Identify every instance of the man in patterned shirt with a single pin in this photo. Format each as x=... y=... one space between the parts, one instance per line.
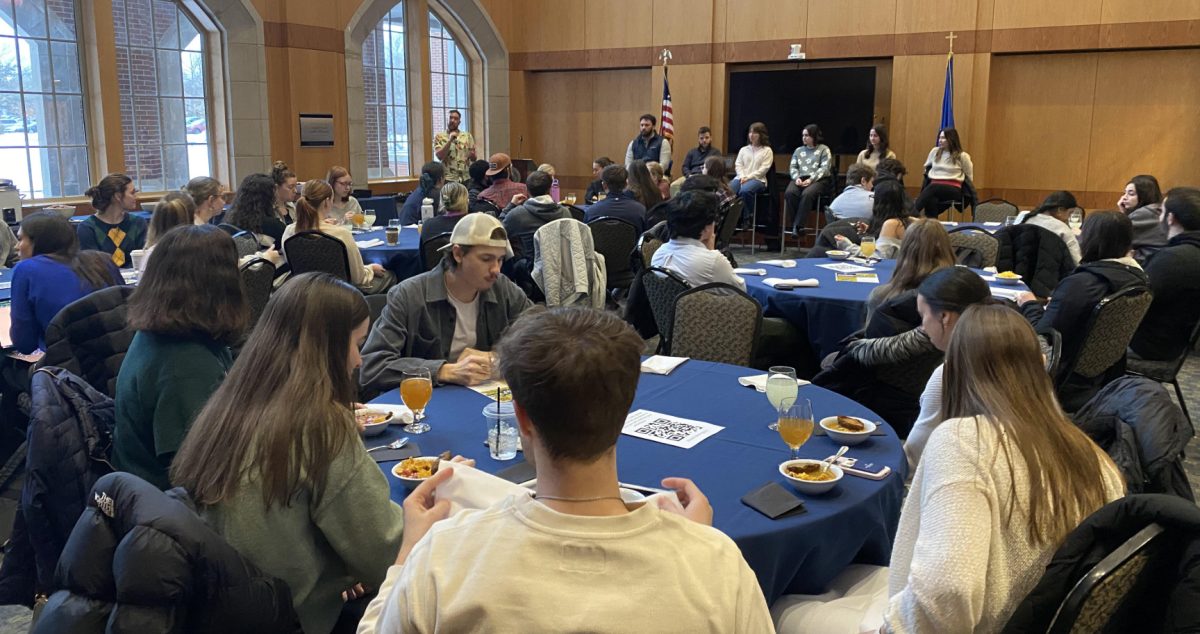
x=503 y=188
x=455 y=148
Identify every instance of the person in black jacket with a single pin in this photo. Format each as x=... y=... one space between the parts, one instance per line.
x=596 y=187
x=1174 y=273
x=1107 y=267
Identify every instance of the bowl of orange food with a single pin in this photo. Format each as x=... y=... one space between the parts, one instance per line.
x=372 y=422
x=847 y=430
x=1008 y=277
x=413 y=471
x=810 y=476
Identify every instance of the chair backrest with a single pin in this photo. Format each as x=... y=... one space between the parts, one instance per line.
x=662 y=287
x=246 y=243
x=313 y=251
x=615 y=239
x=258 y=279
x=730 y=213
x=1100 y=594
x=716 y=322
x=657 y=213
x=576 y=212
x=228 y=228
x=648 y=244
x=90 y=336
x=979 y=241
x=1111 y=327
x=430 y=256
x=995 y=210
x=1052 y=350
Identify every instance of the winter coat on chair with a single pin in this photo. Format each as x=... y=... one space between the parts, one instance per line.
x=69 y=442
x=141 y=560
x=566 y=266
x=1038 y=255
x=1134 y=420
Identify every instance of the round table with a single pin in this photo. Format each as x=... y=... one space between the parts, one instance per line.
x=403 y=258
x=856 y=522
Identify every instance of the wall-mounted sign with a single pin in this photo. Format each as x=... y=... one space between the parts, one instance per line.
x=316 y=130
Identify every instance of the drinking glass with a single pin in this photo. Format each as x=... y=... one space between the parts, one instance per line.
x=369 y=219
x=394 y=222
x=1075 y=220
x=781 y=385
x=867 y=247
x=795 y=423
x=1010 y=220
x=570 y=199
x=359 y=219
x=416 y=388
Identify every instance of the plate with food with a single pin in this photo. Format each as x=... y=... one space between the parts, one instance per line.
x=1008 y=277
x=372 y=422
x=848 y=430
x=810 y=476
x=414 y=470
x=837 y=255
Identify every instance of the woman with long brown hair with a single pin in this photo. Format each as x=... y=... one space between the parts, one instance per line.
x=274 y=462
x=175 y=209
x=642 y=184
x=948 y=167
x=311 y=209
x=924 y=249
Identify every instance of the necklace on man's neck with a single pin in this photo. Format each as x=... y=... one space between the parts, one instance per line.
x=537 y=496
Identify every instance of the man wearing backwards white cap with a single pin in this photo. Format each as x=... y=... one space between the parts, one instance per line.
x=447 y=319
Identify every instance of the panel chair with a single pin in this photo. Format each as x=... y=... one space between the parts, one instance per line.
x=764 y=200
x=616 y=240
x=716 y=322
x=1109 y=330
x=994 y=210
x=1167 y=371
x=727 y=223
x=662 y=287
x=963 y=239
x=313 y=251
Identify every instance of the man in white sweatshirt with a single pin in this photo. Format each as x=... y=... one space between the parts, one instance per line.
x=574 y=556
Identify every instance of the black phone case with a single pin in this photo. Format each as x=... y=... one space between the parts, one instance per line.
x=774 y=501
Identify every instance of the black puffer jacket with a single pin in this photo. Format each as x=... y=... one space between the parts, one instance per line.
x=1038 y=255
x=1174 y=273
x=1135 y=421
x=140 y=560
x=90 y=336
x=69 y=442
x=1171 y=600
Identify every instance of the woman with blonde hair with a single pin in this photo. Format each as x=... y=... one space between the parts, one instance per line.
x=173 y=210
x=658 y=175
x=924 y=249
x=344 y=205
x=312 y=207
x=209 y=195
x=454 y=207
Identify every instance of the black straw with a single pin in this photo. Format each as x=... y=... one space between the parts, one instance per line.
x=496 y=444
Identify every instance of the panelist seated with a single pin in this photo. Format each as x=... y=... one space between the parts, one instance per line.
x=574 y=542
x=441 y=319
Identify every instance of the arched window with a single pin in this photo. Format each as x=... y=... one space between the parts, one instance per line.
x=43 y=135
x=451 y=76
x=161 y=75
x=385 y=97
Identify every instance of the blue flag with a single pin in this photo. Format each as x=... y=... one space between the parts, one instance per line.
x=948 y=95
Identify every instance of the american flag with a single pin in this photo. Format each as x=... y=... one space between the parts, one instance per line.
x=668 y=122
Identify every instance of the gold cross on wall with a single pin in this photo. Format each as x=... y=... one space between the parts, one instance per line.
x=952 y=37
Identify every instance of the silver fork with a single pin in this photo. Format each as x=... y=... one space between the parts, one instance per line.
x=395 y=444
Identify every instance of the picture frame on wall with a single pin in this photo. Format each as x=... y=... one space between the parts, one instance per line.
x=316 y=130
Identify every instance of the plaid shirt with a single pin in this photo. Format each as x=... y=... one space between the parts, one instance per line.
x=500 y=193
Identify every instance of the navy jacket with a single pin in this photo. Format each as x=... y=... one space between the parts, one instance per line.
x=693 y=163
x=410 y=213
x=621 y=205
x=1174 y=273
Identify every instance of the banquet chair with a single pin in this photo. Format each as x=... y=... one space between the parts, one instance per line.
x=90 y=336
x=716 y=322
x=1109 y=330
x=766 y=198
x=657 y=213
x=430 y=257
x=662 y=287
x=1166 y=371
x=649 y=243
x=576 y=213
x=966 y=239
x=258 y=277
x=615 y=239
x=246 y=243
x=826 y=240
x=313 y=251
x=727 y=223
x=995 y=210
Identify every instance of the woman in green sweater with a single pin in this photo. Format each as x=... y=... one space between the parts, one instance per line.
x=274 y=461
x=187 y=309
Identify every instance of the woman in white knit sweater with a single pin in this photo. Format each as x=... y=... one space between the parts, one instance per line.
x=750 y=169
x=947 y=167
x=1001 y=483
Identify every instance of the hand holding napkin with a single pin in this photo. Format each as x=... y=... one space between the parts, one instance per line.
x=659 y=364
x=775 y=282
x=470 y=488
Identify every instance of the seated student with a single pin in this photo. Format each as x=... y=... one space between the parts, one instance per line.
x=345 y=206
x=503 y=189
x=658 y=176
x=889 y=219
x=433 y=176
x=175 y=209
x=311 y=210
x=112 y=229
x=856 y=201
x=253 y=210
x=618 y=202
x=454 y=207
x=180 y=351
x=1142 y=202
x=52 y=273
x=529 y=214
x=284 y=205
x=691 y=252
x=1052 y=215
x=209 y=196
x=274 y=463
x=1174 y=273
x=515 y=565
x=478 y=181
x=443 y=319
x=1106 y=267
x=978 y=525
x=924 y=249
x=596 y=187
x=642 y=184
x=714 y=167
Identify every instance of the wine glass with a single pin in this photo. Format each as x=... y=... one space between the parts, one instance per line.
x=867 y=247
x=1075 y=220
x=570 y=199
x=795 y=423
x=416 y=388
x=781 y=384
x=370 y=220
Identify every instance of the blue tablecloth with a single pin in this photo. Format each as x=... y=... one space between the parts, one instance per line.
x=403 y=259
x=825 y=314
x=5 y=284
x=856 y=522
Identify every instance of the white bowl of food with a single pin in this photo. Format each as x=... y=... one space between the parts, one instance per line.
x=1008 y=277
x=837 y=255
x=809 y=477
x=372 y=422
x=414 y=471
x=848 y=430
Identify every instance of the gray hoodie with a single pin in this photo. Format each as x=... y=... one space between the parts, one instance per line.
x=530 y=215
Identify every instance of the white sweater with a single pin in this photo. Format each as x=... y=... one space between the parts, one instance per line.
x=521 y=566
x=957 y=566
x=754 y=162
x=947 y=169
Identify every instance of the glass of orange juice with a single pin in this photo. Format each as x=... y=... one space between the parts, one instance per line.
x=416 y=388
x=359 y=219
x=867 y=247
x=795 y=423
x=570 y=199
